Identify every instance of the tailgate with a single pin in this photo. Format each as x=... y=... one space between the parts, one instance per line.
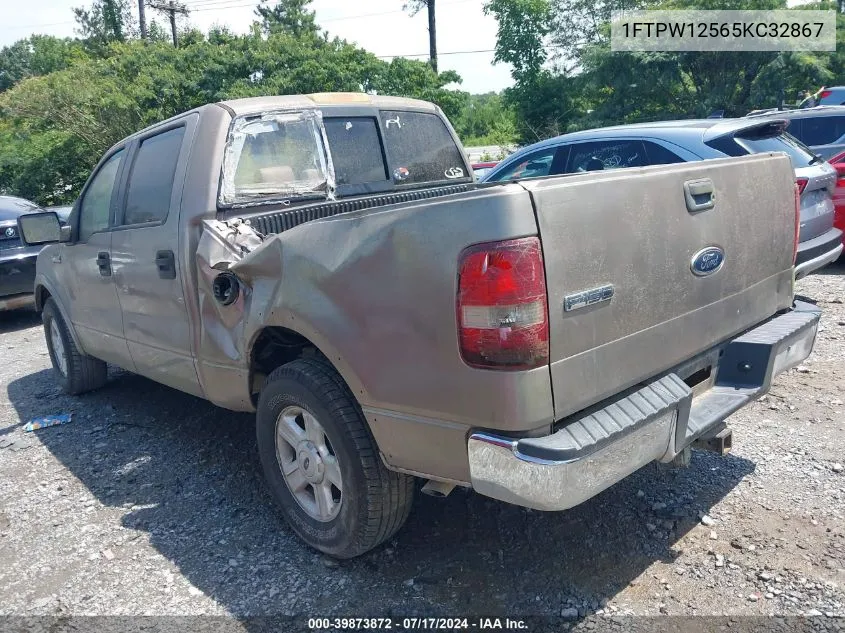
x=624 y=301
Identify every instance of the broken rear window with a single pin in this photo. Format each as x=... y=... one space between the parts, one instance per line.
x=274 y=156
x=420 y=148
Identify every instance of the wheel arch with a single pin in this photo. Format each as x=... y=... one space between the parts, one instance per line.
x=43 y=292
x=273 y=346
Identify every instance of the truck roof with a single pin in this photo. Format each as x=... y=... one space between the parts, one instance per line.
x=251 y=105
x=254 y=105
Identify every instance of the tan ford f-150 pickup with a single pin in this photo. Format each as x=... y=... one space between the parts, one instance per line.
x=329 y=262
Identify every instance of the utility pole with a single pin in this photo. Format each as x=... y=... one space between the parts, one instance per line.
x=171 y=8
x=415 y=6
x=142 y=19
x=432 y=35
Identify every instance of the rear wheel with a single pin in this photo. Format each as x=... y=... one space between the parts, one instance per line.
x=322 y=464
x=76 y=372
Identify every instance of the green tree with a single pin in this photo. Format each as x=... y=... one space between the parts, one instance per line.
x=36 y=55
x=106 y=21
x=53 y=128
x=486 y=120
x=523 y=26
x=288 y=16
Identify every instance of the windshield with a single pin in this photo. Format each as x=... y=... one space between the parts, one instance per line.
x=274 y=156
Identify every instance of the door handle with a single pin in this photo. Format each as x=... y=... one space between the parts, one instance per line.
x=104 y=263
x=166 y=264
x=700 y=195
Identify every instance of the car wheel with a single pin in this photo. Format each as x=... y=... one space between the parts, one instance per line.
x=76 y=372
x=322 y=464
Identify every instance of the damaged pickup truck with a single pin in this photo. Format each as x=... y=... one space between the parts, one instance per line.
x=328 y=262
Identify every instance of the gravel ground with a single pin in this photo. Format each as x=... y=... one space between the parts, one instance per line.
x=151 y=503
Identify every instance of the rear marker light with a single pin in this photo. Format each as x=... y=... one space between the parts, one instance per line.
x=825 y=93
x=802 y=184
x=502 y=312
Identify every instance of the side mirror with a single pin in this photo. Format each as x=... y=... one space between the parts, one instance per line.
x=41 y=228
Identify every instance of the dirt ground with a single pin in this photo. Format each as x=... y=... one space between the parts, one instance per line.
x=151 y=502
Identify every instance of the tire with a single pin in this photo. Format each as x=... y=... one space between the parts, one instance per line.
x=372 y=502
x=78 y=373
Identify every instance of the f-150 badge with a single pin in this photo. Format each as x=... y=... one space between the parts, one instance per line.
x=587 y=298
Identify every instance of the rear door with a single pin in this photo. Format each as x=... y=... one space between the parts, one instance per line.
x=625 y=299
x=144 y=257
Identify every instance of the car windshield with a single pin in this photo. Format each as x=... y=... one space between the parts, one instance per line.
x=274 y=156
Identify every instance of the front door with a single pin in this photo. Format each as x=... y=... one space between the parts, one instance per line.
x=84 y=269
x=145 y=261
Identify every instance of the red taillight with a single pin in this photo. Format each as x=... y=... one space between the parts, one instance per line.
x=503 y=319
x=798 y=190
x=825 y=93
x=802 y=184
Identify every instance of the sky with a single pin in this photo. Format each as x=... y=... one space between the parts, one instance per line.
x=380 y=26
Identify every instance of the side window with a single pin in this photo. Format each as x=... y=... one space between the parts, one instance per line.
x=659 y=155
x=600 y=155
x=796 y=127
x=820 y=130
x=95 y=208
x=533 y=165
x=151 y=178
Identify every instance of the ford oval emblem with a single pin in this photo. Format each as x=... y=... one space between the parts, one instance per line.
x=707 y=261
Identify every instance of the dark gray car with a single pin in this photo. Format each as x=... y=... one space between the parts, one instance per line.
x=17 y=261
x=666 y=142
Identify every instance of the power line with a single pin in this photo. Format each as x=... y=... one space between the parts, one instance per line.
x=222 y=5
x=482 y=50
x=223 y=8
x=172 y=9
x=205 y=5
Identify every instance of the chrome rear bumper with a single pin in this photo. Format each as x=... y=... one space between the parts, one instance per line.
x=655 y=421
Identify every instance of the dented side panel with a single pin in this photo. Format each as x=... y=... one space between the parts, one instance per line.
x=375 y=292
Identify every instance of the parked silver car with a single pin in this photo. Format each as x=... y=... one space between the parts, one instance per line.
x=665 y=142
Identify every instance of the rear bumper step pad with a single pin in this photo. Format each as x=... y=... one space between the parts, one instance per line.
x=655 y=421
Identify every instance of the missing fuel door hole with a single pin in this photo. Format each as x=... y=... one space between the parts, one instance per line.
x=226 y=288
